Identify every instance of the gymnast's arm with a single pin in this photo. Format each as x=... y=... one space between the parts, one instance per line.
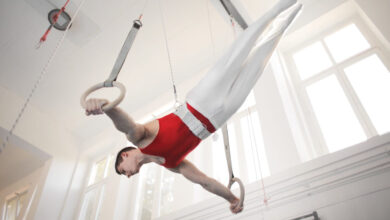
x=192 y=173
x=123 y=122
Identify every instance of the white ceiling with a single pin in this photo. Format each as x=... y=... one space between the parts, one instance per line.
x=197 y=31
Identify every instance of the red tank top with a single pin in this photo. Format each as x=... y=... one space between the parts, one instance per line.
x=174 y=139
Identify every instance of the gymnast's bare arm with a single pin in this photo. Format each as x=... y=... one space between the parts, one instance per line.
x=123 y=122
x=192 y=173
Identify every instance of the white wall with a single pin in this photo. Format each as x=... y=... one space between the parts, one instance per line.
x=281 y=146
x=29 y=183
x=377 y=12
x=278 y=140
x=46 y=134
x=349 y=184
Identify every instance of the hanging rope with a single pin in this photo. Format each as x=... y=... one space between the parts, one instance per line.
x=251 y=141
x=265 y=200
x=43 y=72
x=252 y=130
x=143 y=10
x=210 y=31
x=169 y=57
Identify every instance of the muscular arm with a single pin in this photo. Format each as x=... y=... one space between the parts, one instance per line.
x=122 y=121
x=192 y=173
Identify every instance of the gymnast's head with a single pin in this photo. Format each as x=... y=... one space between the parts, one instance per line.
x=126 y=162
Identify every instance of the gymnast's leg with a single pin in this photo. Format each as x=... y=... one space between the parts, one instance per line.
x=209 y=94
x=251 y=71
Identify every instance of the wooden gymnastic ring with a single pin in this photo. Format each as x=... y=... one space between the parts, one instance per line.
x=242 y=189
x=109 y=105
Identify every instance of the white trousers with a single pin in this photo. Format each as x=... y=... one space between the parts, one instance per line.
x=227 y=84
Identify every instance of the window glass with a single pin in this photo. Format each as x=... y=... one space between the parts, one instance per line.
x=371 y=81
x=335 y=116
x=90 y=204
x=346 y=42
x=233 y=150
x=149 y=192
x=311 y=60
x=167 y=197
x=14 y=205
x=110 y=166
x=98 y=171
x=258 y=139
x=220 y=169
x=22 y=201
x=254 y=147
x=94 y=194
x=11 y=208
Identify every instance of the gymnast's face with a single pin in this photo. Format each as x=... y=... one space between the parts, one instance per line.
x=129 y=165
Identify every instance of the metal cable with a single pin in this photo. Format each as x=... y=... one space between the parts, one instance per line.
x=168 y=53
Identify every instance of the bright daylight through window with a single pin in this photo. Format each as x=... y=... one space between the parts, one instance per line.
x=14 y=205
x=344 y=81
x=94 y=191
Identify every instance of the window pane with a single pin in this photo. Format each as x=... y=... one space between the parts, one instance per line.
x=167 y=197
x=371 y=81
x=256 y=159
x=149 y=192
x=311 y=60
x=89 y=204
x=346 y=42
x=335 y=116
x=258 y=135
x=250 y=160
x=11 y=208
x=100 y=168
x=110 y=164
x=22 y=201
x=233 y=151
x=98 y=171
x=220 y=170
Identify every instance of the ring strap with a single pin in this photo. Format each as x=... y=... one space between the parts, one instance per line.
x=123 y=53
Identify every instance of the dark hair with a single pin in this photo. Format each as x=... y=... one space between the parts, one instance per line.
x=119 y=158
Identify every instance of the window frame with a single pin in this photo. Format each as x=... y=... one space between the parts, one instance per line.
x=241 y=168
x=318 y=144
x=17 y=194
x=100 y=185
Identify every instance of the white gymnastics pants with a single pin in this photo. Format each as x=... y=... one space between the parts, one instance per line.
x=227 y=84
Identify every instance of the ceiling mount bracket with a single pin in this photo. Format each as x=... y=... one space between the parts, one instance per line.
x=62 y=21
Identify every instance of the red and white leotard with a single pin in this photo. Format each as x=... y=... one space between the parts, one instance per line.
x=174 y=139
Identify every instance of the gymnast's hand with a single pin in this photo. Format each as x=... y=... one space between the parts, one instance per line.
x=94 y=106
x=235 y=206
